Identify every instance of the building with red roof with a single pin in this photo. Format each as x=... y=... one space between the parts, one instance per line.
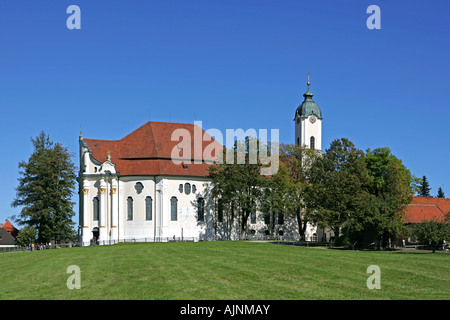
x=426 y=208
x=8 y=234
x=149 y=184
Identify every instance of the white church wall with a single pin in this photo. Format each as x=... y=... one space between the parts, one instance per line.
x=138 y=227
x=187 y=224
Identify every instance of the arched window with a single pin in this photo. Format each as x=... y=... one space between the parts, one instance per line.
x=180 y=188
x=129 y=208
x=280 y=218
x=148 y=208
x=312 y=143
x=267 y=218
x=173 y=208
x=201 y=209
x=187 y=188
x=253 y=214
x=96 y=204
x=194 y=188
x=220 y=210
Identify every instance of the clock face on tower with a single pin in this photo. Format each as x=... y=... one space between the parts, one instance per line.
x=312 y=119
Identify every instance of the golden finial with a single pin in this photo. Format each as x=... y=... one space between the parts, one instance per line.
x=108 y=155
x=308 y=83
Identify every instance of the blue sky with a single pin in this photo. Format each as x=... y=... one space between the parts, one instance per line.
x=230 y=64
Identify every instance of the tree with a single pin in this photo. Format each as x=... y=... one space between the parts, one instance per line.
x=46 y=185
x=285 y=191
x=336 y=184
x=416 y=184
x=279 y=197
x=424 y=190
x=433 y=231
x=440 y=193
x=239 y=184
x=27 y=235
x=390 y=191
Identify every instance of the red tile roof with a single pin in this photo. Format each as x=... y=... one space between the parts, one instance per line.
x=10 y=228
x=426 y=208
x=147 y=151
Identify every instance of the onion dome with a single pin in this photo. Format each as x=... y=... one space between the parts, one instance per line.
x=308 y=106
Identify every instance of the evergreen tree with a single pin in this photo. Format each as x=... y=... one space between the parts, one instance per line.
x=46 y=185
x=424 y=190
x=440 y=193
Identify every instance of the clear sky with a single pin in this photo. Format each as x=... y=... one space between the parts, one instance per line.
x=230 y=64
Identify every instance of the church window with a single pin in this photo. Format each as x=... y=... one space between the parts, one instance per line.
x=139 y=187
x=253 y=214
x=232 y=211
x=130 y=208
x=201 y=209
x=312 y=143
x=180 y=188
x=187 y=188
x=280 y=218
x=173 y=208
x=148 y=208
x=194 y=188
x=267 y=218
x=96 y=203
x=220 y=210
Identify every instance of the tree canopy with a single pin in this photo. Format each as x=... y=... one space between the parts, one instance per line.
x=358 y=195
x=240 y=183
x=336 y=184
x=285 y=190
x=433 y=231
x=389 y=192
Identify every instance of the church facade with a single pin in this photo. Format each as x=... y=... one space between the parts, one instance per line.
x=131 y=189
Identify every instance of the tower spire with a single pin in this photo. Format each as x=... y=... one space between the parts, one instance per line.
x=308 y=83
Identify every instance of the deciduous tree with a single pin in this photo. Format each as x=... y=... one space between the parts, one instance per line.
x=336 y=184
x=286 y=188
x=390 y=190
x=239 y=184
x=433 y=231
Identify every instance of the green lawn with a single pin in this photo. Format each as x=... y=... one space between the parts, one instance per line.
x=222 y=270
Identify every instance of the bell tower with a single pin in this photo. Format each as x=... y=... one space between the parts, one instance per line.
x=308 y=122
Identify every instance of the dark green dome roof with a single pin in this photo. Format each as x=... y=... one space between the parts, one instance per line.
x=308 y=107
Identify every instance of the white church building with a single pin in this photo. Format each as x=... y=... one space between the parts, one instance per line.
x=132 y=190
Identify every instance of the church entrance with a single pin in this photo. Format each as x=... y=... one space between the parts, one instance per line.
x=95 y=235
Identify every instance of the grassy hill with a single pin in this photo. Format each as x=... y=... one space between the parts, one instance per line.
x=221 y=270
